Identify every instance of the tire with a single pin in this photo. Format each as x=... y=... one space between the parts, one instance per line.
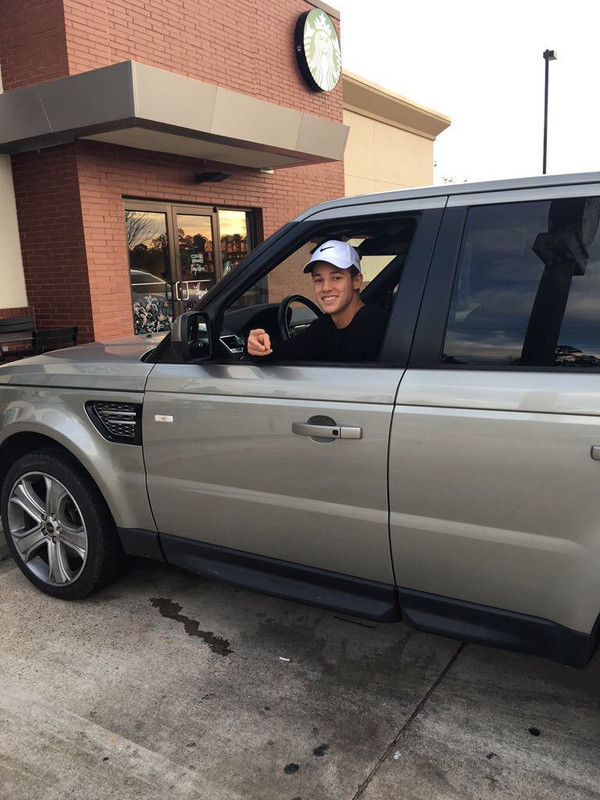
x=58 y=527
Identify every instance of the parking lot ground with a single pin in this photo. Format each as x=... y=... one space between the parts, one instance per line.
x=166 y=685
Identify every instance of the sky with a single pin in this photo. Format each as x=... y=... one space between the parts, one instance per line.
x=481 y=64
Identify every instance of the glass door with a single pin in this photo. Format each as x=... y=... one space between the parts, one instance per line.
x=176 y=255
x=149 y=270
x=234 y=236
x=196 y=258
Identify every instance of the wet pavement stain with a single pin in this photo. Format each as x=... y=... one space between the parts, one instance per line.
x=320 y=750
x=291 y=768
x=171 y=610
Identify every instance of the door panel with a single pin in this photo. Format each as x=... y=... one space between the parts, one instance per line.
x=493 y=491
x=229 y=470
x=496 y=501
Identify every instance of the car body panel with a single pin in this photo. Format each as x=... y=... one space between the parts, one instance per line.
x=112 y=364
x=60 y=415
x=228 y=469
x=497 y=507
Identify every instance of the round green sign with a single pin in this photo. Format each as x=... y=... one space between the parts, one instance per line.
x=318 y=50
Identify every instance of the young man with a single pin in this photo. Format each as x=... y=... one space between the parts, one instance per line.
x=349 y=330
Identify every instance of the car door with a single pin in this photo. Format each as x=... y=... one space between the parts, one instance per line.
x=493 y=480
x=230 y=465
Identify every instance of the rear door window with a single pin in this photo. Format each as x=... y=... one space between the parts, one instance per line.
x=527 y=286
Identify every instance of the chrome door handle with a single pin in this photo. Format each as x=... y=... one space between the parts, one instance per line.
x=176 y=287
x=323 y=431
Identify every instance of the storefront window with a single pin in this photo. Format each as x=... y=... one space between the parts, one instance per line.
x=177 y=253
x=196 y=257
x=233 y=227
x=149 y=271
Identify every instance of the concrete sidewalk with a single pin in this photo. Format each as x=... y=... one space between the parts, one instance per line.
x=169 y=686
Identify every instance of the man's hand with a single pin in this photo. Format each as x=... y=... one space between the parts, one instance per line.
x=259 y=343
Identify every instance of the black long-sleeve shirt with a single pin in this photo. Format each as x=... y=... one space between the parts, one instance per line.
x=359 y=341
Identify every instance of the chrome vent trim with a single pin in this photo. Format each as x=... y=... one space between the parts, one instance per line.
x=117 y=422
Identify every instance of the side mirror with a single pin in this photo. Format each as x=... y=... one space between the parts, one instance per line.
x=190 y=336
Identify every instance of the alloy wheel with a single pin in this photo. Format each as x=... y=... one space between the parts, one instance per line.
x=47 y=528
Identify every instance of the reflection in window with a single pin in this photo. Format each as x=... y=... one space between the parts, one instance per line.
x=233 y=226
x=149 y=270
x=527 y=288
x=196 y=257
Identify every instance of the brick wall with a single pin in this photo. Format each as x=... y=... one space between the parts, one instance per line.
x=10 y=313
x=70 y=198
x=108 y=173
x=70 y=206
x=246 y=46
x=243 y=45
x=52 y=241
x=33 y=44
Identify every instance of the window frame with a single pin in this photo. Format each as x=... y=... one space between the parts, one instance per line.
x=401 y=326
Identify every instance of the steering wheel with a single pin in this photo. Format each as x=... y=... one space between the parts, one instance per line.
x=283 y=311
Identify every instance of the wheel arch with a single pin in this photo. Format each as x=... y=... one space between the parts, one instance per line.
x=115 y=470
x=20 y=444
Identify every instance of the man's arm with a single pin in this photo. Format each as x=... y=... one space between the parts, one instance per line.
x=304 y=346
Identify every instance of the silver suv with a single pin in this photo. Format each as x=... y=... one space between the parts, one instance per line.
x=455 y=482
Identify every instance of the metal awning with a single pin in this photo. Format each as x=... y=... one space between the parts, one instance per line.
x=135 y=105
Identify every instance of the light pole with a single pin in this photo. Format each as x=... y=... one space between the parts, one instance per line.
x=549 y=55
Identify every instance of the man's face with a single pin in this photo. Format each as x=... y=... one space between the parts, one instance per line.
x=334 y=288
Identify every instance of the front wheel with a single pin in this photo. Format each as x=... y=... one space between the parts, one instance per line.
x=57 y=526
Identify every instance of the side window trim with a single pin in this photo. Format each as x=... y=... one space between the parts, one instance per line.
x=401 y=327
x=524 y=195
x=431 y=324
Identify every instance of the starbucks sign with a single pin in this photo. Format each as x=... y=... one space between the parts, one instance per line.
x=318 y=50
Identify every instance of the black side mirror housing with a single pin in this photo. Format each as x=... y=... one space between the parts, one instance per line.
x=191 y=338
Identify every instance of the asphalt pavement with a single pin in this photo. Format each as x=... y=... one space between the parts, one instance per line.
x=167 y=685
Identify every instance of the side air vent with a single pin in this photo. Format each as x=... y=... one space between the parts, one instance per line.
x=117 y=422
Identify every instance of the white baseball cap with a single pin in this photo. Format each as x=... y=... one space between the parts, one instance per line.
x=339 y=254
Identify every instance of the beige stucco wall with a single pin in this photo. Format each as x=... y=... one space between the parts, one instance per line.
x=380 y=157
x=12 y=279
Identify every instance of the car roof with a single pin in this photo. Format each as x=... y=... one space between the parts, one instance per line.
x=447 y=189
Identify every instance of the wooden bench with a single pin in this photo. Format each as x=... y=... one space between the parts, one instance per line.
x=16 y=337
x=20 y=330
x=51 y=340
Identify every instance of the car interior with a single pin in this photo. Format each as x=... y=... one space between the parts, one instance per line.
x=383 y=248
